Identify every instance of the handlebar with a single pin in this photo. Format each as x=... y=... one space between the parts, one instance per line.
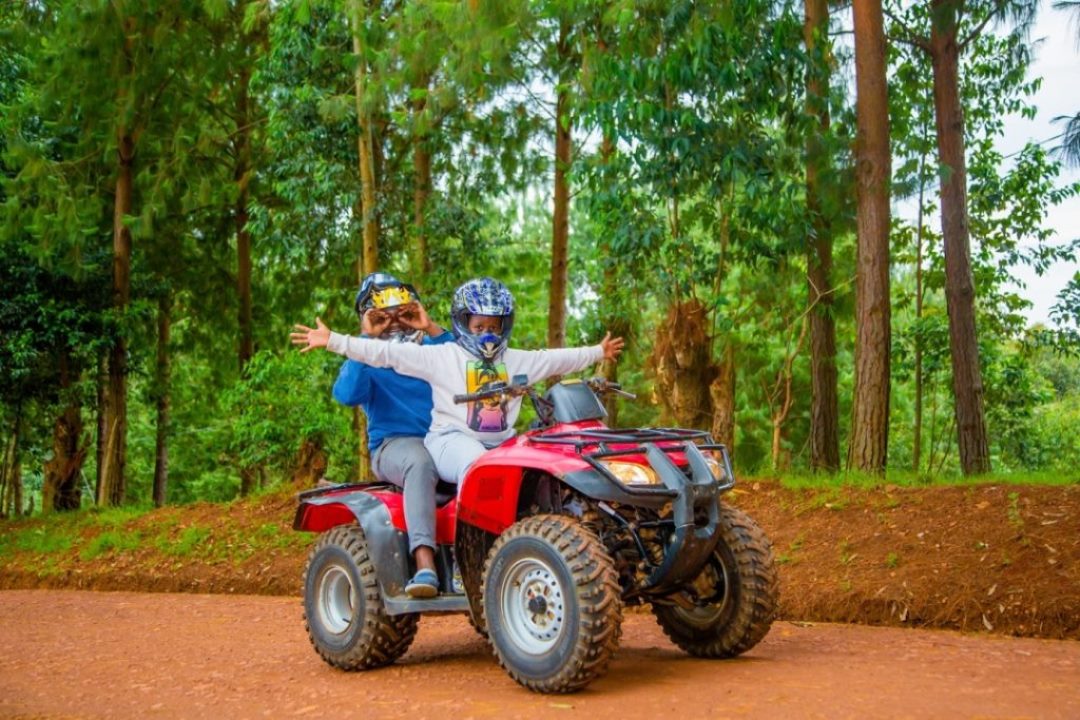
x=602 y=386
x=494 y=390
x=520 y=386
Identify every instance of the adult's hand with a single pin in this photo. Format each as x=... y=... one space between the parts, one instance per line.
x=415 y=316
x=374 y=323
x=310 y=338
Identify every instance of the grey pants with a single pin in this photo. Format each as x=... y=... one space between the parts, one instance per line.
x=454 y=452
x=405 y=462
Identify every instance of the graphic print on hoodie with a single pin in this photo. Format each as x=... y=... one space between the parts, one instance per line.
x=488 y=415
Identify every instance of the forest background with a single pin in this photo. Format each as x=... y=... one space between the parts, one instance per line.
x=182 y=180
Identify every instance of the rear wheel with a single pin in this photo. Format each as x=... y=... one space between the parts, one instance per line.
x=551 y=604
x=343 y=610
x=731 y=604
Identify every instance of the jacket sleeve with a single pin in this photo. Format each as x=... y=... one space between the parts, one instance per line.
x=420 y=361
x=353 y=385
x=542 y=364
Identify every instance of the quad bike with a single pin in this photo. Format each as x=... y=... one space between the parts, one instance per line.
x=545 y=540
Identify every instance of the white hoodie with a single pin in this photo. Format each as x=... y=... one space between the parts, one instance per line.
x=450 y=370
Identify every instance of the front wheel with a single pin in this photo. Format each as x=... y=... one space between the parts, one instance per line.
x=730 y=606
x=343 y=610
x=551 y=604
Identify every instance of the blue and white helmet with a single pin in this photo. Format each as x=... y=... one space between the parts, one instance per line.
x=482 y=296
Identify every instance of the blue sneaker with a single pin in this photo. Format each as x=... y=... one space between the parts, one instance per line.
x=424 y=584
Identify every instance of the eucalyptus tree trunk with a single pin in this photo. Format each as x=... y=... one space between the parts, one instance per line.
x=11 y=490
x=783 y=396
x=242 y=178
x=102 y=417
x=868 y=449
x=60 y=487
x=246 y=346
x=369 y=251
x=917 y=430
x=722 y=388
x=560 y=228
x=112 y=489
x=162 y=398
x=971 y=433
x=368 y=190
x=421 y=184
x=824 y=413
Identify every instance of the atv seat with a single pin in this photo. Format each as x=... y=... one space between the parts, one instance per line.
x=444 y=492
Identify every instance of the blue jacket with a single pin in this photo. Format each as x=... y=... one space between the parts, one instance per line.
x=395 y=405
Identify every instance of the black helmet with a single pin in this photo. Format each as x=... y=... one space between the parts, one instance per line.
x=482 y=296
x=382 y=291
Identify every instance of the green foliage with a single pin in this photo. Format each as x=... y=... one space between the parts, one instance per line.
x=691 y=132
x=281 y=403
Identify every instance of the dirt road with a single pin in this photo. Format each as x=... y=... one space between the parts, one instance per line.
x=67 y=654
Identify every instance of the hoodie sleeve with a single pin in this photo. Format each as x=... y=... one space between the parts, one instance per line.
x=420 y=361
x=542 y=364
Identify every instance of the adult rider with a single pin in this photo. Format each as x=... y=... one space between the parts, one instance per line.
x=398 y=409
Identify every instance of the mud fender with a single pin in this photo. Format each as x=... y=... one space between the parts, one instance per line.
x=387 y=546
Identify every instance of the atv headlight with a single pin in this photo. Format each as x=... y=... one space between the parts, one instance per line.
x=715 y=462
x=631 y=473
x=715 y=466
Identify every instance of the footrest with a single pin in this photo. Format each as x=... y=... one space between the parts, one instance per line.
x=401 y=604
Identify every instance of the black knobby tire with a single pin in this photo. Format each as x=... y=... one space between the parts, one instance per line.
x=551 y=604
x=745 y=593
x=343 y=610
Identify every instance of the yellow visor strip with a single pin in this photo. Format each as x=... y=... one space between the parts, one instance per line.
x=390 y=297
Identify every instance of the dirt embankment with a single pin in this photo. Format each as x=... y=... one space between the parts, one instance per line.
x=994 y=558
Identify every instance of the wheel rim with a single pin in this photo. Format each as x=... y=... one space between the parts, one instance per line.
x=336 y=599
x=533 y=605
x=713 y=605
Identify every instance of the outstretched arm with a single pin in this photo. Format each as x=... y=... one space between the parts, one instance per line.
x=541 y=364
x=310 y=338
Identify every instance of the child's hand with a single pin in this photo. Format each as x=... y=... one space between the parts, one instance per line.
x=612 y=346
x=316 y=337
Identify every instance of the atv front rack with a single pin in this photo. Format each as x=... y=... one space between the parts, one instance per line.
x=693 y=490
x=655 y=444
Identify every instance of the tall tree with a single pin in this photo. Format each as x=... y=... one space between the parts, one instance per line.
x=824 y=413
x=868 y=448
x=953 y=26
x=560 y=220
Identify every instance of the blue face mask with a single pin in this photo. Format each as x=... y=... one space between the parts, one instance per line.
x=487 y=343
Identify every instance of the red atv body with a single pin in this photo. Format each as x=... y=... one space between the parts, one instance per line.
x=546 y=539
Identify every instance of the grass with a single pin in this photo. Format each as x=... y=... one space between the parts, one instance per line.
x=37 y=540
x=190 y=540
x=96 y=532
x=788 y=557
x=111 y=541
x=846 y=550
x=801 y=480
